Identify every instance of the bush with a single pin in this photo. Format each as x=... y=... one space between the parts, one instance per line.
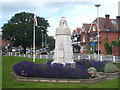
x=80 y=70
x=22 y=67
x=50 y=71
x=98 y=65
x=92 y=69
x=110 y=68
x=108 y=48
x=115 y=43
x=85 y=62
x=93 y=72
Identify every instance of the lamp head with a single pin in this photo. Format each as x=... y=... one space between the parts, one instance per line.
x=97 y=5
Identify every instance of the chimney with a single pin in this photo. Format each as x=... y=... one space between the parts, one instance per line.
x=118 y=22
x=107 y=21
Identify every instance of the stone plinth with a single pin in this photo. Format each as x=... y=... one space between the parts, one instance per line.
x=63 y=48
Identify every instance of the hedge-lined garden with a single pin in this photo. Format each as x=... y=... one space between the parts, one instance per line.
x=8 y=82
x=82 y=69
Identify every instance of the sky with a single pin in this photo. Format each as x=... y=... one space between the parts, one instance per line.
x=76 y=12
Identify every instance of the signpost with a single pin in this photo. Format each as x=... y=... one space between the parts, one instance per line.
x=93 y=44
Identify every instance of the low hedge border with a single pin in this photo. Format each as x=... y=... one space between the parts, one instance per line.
x=101 y=78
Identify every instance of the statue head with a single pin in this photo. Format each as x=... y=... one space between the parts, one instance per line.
x=63 y=21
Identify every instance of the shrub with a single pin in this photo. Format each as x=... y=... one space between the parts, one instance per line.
x=108 y=47
x=115 y=43
x=50 y=71
x=110 y=68
x=98 y=65
x=85 y=62
x=93 y=72
x=21 y=67
x=92 y=69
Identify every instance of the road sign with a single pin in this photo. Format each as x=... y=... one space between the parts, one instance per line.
x=93 y=44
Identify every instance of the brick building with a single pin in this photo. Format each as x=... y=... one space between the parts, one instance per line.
x=3 y=43
x=76 y=38
x=84 y=38
x=108 y=30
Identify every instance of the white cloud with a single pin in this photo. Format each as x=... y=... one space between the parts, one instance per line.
x=53 y=11
x=75 y=13
x=109 y=7
x=119 y=9
x=48 y=1
x=54 y=23
x=79 y=14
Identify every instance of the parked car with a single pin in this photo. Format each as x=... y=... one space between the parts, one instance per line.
x=43 y=53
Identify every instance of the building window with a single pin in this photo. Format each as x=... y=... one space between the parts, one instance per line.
x=118 y=38
x=94 y=28
x=91 y=38
x=113 y=22
x=83 y=38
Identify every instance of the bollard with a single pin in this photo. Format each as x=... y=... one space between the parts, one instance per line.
x=40 y=56
x=101 y=58
x=113 y=58
x=88 y=56
x=9 y=53
x=24 y=55
x=46 y=56
x=78 y=57
x=29 y=56
x=53 y=56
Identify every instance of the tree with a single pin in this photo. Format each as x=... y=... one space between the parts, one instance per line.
x=20 y=27
x=108 y=47
x=51 y=42
x=115 y=43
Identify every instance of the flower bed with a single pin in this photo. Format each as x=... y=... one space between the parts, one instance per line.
x=30 y=69
x=78 y=71
x=101 y=78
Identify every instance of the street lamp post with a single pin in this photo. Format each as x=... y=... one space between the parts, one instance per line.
x=42 y=39
x=98 y=5
x=46 y=39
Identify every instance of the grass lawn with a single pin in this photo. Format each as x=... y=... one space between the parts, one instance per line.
x=8 y=82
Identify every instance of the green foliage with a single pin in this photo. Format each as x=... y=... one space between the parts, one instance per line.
x=51 y=42
x=90 y=52
x=92 y=69
x=7 y=80
x=110 y=68
x=93 y=72
x=20 y=27
x=89 y=47
x=108 y=47
x=115 y=43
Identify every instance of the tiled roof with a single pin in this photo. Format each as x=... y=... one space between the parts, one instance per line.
x=113 y=24
x=86 y=26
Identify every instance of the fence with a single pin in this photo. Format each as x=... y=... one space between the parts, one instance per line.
x=75 y=56
x=95 y=57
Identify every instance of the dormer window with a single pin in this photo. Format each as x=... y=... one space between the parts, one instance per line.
x=113 y=22
x=94 y=28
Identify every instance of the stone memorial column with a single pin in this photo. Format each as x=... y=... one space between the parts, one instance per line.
x=63 y=48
